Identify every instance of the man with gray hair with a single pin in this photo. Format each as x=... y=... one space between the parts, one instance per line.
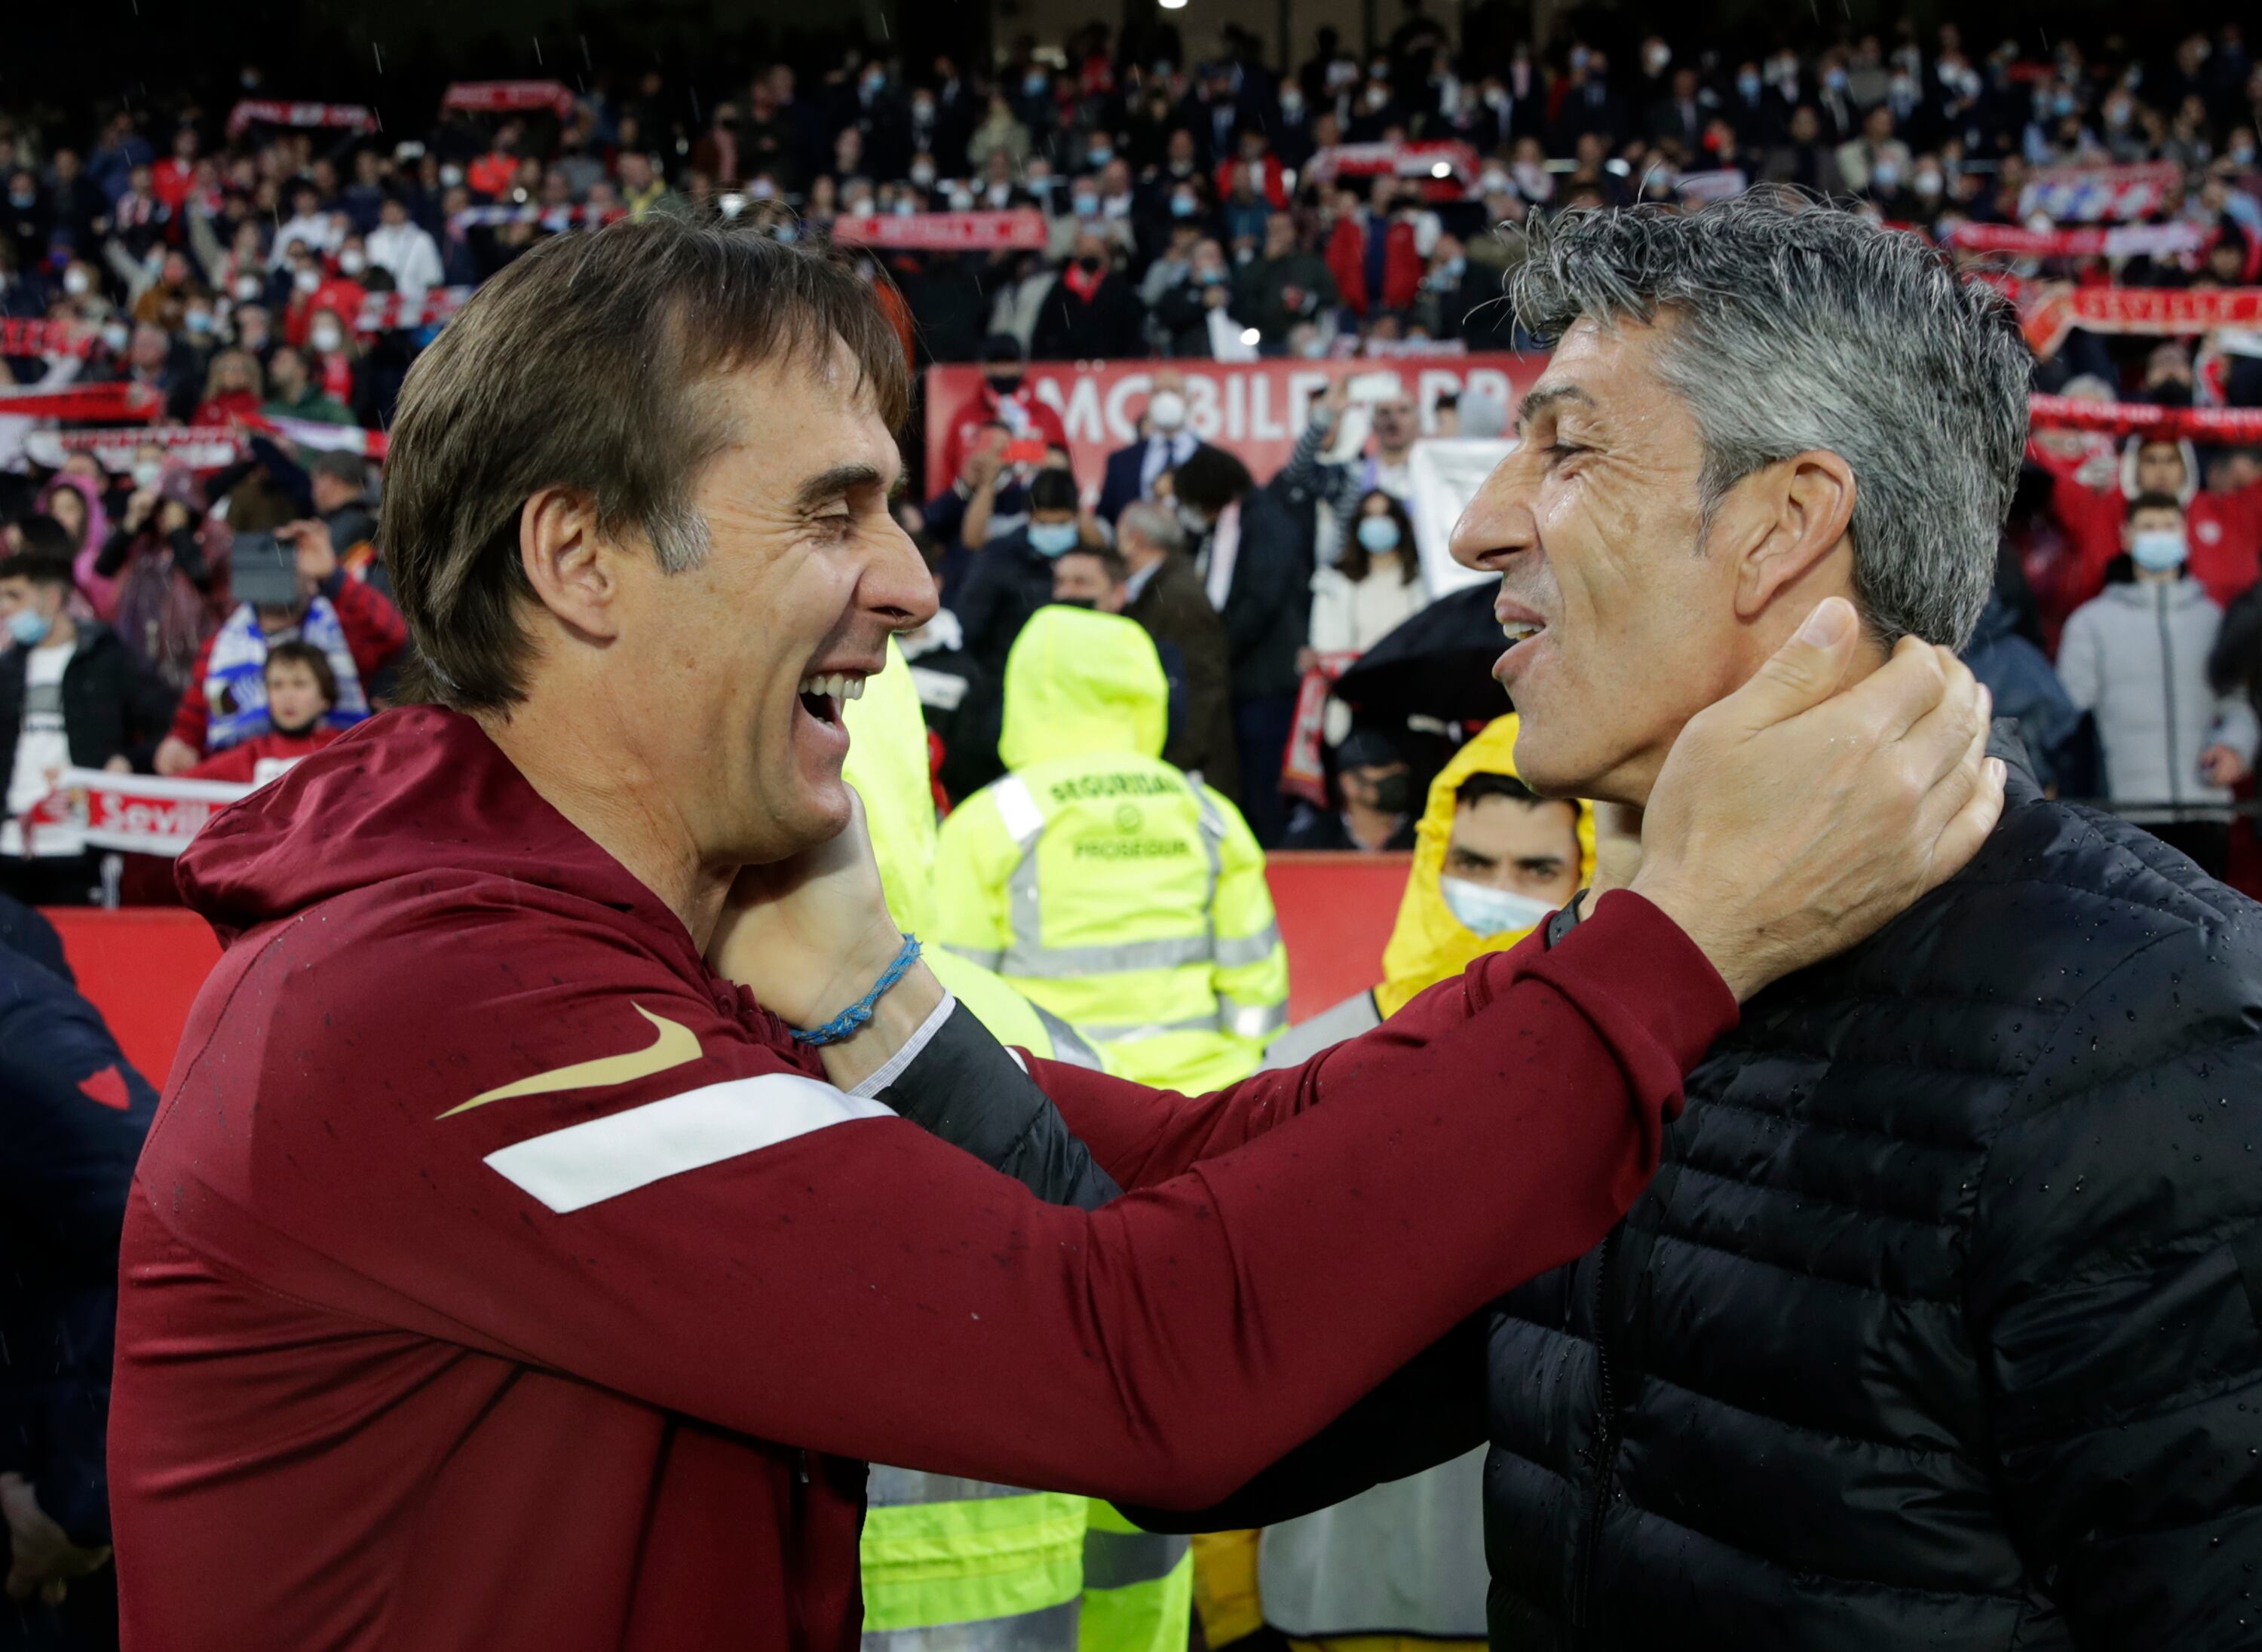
x=1167 y=599
x=1942 y=1322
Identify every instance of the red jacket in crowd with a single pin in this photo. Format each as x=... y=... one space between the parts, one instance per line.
x=2223 y=531
x=1270 y=177
x=240 y=763
x=1021 y=410
x=1401 y=265
x=375 y=634
x=495 y=1275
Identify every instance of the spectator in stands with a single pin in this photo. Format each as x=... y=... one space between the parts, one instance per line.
x=346 y=620
x=1372 y=793
x=302 y=691
x=161 y=602
x=1802 y=158
x=1342 y=485
x=1005 y=398
x=234 y=388
x=1092 y=577
x=1189 y=310
x=309 y=225
x=1164 y=596
x=73 y=499
x=1374 y=250
x=1256 y=574
x=294 y=393
x=2225 y=530
x=1013 y=576
x=2026 y=690
x=1288 y=284
x=2136 y=658
x=1375 y=584
x=338 y=483
x=404 y=249
x=1164 y=443
x=1126 y=852
x=71 y=695
x=74 y=1113
x=1091 y=309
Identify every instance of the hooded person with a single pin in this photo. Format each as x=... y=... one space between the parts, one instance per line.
x=1104 y=884
x=89 y=529
x=1430 y=942
x=936 y=1548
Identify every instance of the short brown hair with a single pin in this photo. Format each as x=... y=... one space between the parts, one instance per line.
x=304 y=653
x=578 y=366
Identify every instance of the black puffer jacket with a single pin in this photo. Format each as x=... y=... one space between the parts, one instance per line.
x=1942 y=1323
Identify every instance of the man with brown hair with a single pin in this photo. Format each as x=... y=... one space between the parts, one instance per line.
x=502 y=1270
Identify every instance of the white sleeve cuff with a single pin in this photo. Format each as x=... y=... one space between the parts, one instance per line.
x=893 y=1070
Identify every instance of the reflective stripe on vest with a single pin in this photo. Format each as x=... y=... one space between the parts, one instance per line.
x=1250 y=1021
x=940 y=1550
x=1138 y=1587
x=1068 y=1045
x=1051 y=1630
x=1233 y=951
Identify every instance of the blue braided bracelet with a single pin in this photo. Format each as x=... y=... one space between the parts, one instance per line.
x=848 y=1021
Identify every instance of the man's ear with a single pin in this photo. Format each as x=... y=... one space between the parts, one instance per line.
x=567 y=561
x=1795 y=515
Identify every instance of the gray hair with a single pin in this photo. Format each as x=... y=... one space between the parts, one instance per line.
x=1800 y=327
x=1153 y=524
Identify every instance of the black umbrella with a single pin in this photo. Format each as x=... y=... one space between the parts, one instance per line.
x=1438 y=664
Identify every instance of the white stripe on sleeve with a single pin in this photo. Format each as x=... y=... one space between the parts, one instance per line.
x=584 y=1165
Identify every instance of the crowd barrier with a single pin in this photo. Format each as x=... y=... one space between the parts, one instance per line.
x=142 y=966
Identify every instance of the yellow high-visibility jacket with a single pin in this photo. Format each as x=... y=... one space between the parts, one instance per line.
x=1102 y=882
x=1041 y=1571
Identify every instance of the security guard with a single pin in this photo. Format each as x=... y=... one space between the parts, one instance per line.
x=956 y=1565
x=1104 y=883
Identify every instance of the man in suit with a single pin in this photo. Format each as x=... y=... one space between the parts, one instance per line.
x=1163 y=444
x=1164 y=594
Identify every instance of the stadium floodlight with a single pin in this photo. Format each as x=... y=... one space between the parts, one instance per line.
x=1171 y=5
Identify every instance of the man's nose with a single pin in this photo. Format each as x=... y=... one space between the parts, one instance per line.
x=897 y=587
x=1497 y=522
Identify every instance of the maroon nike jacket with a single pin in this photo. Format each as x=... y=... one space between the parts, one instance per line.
x=498 y=1277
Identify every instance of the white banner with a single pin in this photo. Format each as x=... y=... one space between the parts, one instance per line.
x=1446 y=473
x=144 y=814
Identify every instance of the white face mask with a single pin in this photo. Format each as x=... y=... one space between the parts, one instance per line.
x=76 y=281
x=1484 y=911
x=247 y=289
x=148 y=472
x=351 y=263
x=1166 y=410
x=326 y=339
x=307 y=280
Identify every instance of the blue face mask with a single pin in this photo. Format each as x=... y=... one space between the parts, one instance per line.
x=1098 y=154
x=1378 y=534
x=1485 y=911
x=2158 y=550
x=1052 y=539
x=29 y=627
x=1182 y=206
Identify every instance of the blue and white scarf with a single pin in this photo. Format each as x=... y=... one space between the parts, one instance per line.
x=236 y=674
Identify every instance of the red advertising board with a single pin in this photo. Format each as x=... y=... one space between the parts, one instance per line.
x=1254 y=410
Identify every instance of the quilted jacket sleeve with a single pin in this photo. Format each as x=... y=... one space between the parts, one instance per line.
x=2116 y=1290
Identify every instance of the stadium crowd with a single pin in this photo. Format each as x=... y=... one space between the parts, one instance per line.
x=206 y=315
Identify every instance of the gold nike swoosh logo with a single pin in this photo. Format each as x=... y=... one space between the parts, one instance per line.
x=675 y=1045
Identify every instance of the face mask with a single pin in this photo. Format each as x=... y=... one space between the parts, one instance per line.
x=1929 y=184
x=1003 y=384
x=307 y=280
x=2158 y=550
x=1166 y=410
x=198 y=321
x=961 y=199
x=1451 y=269
x=1491 y=911
x=1885 y=174
x=1657 y=57
x=1034 y=83
x=876 y=81
x=76 y=281
x=1378 y=534
x=147 y=473
x=905 y=206
x=1580 y=58
x=117 y=337
x=923 y=174
x=923 y=111
x=1086 y=204
x=1836 y=80
x=23 y=199
x=2062 y=103
x=1209 y=277
x=2241 y=154
x=1052 y=539
x=247 y=288
x=1377 y=96
x=1182 y=206
x=450 y=175
x=1748 y=85
x=1393 y=794
x=1098 y=154
x=326 y=339
x=1292 y=103
x=29 y=627
x=351 y=263
x=1089 y=265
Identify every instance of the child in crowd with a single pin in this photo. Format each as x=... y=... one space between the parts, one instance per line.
x=301 y=688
